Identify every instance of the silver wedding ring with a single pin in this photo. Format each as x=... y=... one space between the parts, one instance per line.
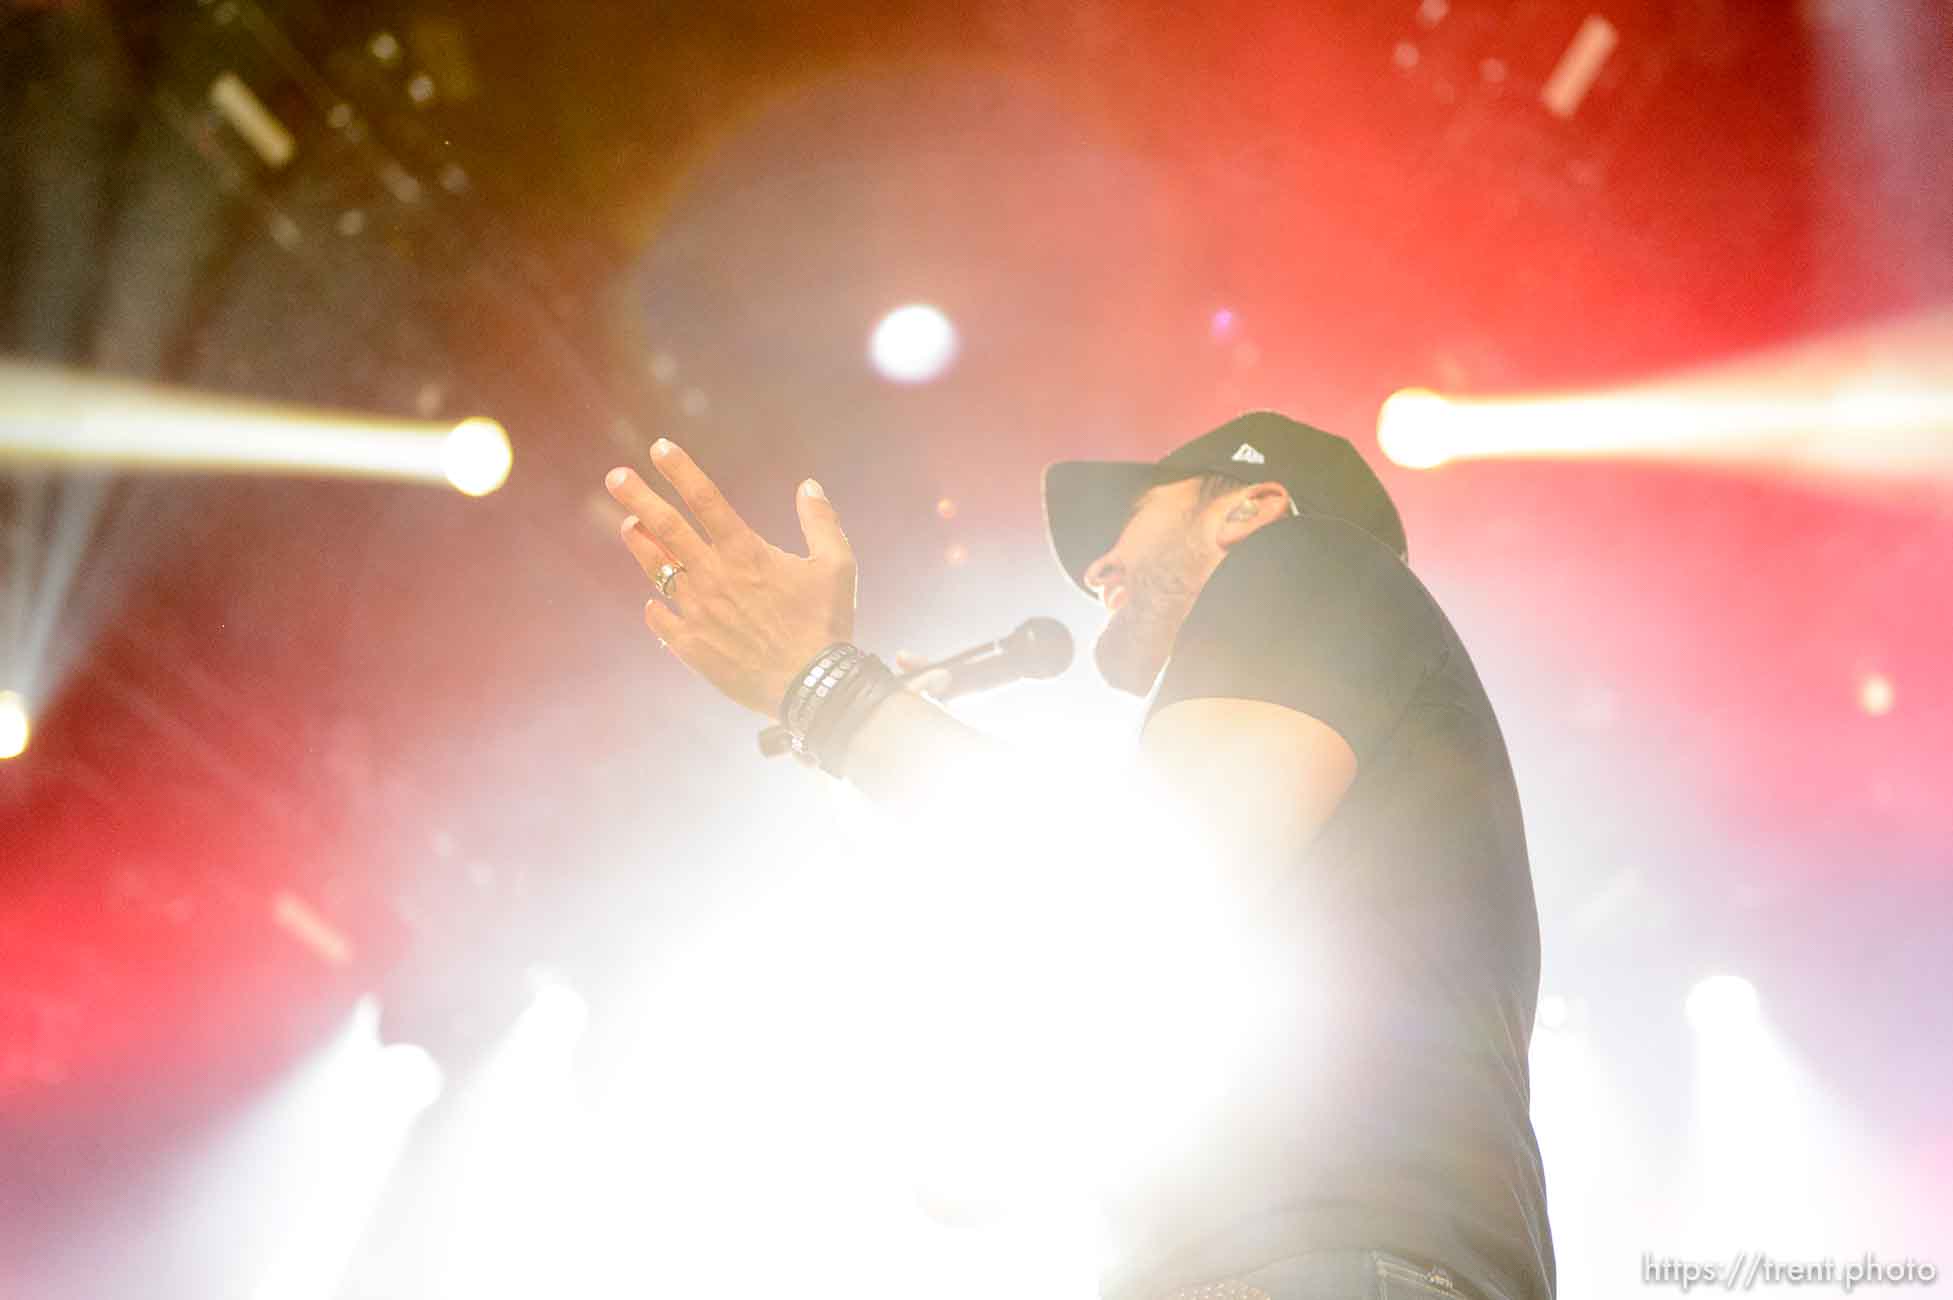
x=667 y=574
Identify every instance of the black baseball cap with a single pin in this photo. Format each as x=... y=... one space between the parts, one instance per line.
x=1087 y=502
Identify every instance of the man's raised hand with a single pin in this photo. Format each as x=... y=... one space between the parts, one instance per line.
x=742 y=613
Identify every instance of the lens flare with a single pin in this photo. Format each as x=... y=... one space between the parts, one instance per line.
x=913 y=344
x=1876 y=695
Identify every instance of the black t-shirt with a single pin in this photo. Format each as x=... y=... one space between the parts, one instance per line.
x=1404 y=1122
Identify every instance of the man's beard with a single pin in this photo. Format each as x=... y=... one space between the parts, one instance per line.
x=1139 y=636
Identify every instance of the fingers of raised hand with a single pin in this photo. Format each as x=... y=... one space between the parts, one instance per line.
x=821 y=525
x=665 y=622
x=656 y=517
x=701 y=495
x=645 y=549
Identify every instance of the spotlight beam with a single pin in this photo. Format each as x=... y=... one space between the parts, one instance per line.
x=1874 y=405
x=59 y=417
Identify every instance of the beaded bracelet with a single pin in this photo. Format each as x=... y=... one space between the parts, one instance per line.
x=829 y=700
x=815 y=683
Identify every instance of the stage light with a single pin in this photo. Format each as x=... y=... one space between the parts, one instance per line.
x=913 y=344
x=1412 y=428
x=1873 y=406
x=507 y=1147
x=15 y=726
x=1721 y=1003
x=1875 y=695
x=341 y=1125
x=54 y=416
x=1762 y=1138
x=1597 y=1165
x=409 y=1077
x=557 y=1013
x=476 y=457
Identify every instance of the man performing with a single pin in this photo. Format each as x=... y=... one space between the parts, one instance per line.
x=1312 y=710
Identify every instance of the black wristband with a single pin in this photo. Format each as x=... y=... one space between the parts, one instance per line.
x=827 y=702
x=844 y=715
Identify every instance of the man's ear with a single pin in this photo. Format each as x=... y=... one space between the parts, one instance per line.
x=1252 y=510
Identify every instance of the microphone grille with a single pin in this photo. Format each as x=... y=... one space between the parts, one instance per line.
x=1043 y=646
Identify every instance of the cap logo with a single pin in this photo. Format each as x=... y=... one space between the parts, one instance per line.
x=1248 y=455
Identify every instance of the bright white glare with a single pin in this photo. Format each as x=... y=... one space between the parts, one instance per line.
x=764 y=1088
x=410 y=1076
x=1596 y=1165
x=15 y=726
x=1721 y=1003
x=1774 y=1155
x=978 y=1029
x=1138 y=936
x=1755 y=1137
x=507 y=1151
x=912 y=344
x=476 y=456
x=1552 y=1012
x=1875 y=405
x=557 y=1014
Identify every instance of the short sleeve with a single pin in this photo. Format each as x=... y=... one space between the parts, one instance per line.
x=1315 y=615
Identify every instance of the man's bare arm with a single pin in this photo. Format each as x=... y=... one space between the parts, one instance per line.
x=911 y=757
x=1259 y=779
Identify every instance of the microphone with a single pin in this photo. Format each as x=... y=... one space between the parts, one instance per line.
x=1039 y=648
